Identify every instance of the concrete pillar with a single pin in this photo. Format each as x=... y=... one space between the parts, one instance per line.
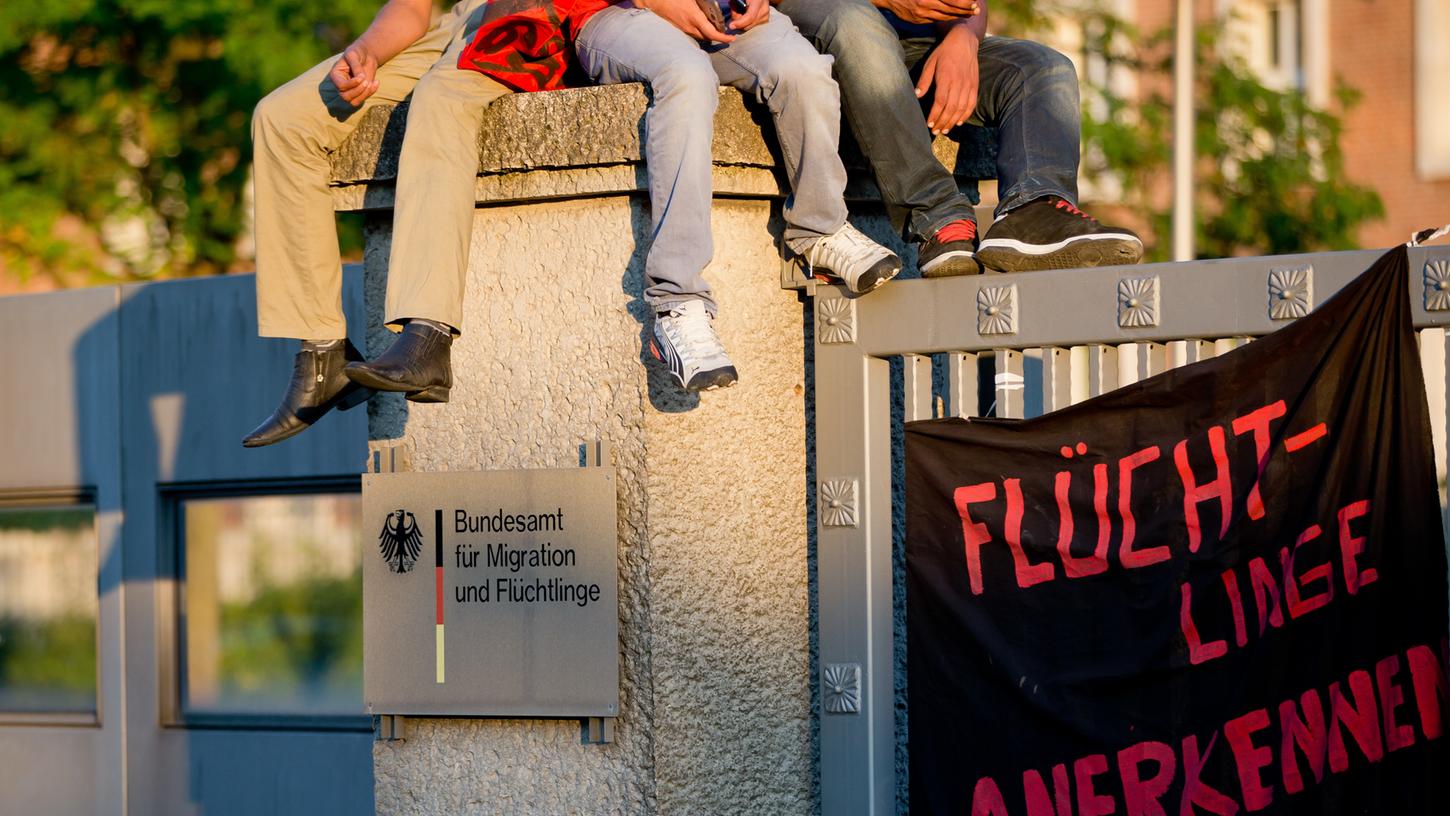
x=712 y=536
x=715 y=620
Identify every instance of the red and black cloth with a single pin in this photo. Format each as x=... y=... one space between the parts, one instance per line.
x=528 y=44
x=1218 y=590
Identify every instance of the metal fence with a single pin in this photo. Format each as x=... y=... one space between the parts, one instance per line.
x=1012 y=346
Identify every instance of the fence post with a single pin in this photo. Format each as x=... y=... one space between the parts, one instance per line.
x=853 y=566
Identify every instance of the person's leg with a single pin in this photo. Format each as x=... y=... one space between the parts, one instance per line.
x=432 y=225
x=1029 y=92
x=882 y=109
x=783 y=71
x=773 y=62
x=437 y=180
x=299 y=273
x=294 y=130
x=621 y=44
x=634 y=45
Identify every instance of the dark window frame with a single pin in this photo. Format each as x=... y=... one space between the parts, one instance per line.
x=78 y=498
x=172 y=614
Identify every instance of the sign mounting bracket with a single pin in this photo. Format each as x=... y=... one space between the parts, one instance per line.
x=596 y=730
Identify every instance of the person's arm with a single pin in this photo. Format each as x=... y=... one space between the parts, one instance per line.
x=952 y=67
x=398 y=24
x=931 y=11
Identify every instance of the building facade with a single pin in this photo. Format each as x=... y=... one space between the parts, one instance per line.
x=1396 y=137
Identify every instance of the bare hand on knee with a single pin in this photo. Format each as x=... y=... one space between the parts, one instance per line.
x=952 y=68
x=687 y=17
x=756 y=12
x=356 y=74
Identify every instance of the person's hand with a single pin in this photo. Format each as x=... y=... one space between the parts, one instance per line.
x=355 y=74
x=687 y=17
x=756 y=12
x=952 y=68
x=932 y=11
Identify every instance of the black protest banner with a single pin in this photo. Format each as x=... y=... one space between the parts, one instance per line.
x=1222 y=589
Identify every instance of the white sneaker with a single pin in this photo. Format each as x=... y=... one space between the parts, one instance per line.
x=850 y=257
x=686 y=342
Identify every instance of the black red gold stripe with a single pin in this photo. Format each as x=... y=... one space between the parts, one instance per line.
x=438 y=590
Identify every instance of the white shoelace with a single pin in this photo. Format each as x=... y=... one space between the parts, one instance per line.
x=692 y=333
x=841 y=251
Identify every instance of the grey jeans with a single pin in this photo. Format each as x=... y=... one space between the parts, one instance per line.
x=1025 y=89
x=771 y=62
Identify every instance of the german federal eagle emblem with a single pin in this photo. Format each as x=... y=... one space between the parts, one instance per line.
x=400 y=541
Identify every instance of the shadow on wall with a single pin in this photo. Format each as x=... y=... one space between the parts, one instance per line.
x=194 y=378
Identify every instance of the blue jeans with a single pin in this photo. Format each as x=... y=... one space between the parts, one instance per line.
x=771 y=62
x=1026 y=90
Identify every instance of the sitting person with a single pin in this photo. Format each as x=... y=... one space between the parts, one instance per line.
x=1026 y=90
x=451 y=71
x=674 y=47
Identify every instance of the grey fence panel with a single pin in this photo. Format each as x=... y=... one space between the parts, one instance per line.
x=1011 y=384
x=1057 y=371
x=195 y=379
x=1096 y=329
x=1102 y=369
x=1187 y=352
x=1139 y=361
x=962 y=385
x=854 y=576
x=1223 y=298
x=60 y=441
x=1226 y=344
x=916 y=382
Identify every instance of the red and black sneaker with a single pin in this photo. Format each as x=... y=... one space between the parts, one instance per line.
x=952 y=250
x=1051 y=233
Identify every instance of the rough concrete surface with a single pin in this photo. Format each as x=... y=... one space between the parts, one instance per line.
x=725 y=481
x=580 y=182
x=524 y=132
x=718 y=655
x=714 y=619
x=564 y=142
x=548 y=359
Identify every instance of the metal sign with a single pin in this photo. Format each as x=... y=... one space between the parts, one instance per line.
x=491 y=593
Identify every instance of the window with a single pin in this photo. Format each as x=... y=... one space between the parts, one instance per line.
x=49 y=560
x=271 y=605
x=1432 y=66
x=1268 y=35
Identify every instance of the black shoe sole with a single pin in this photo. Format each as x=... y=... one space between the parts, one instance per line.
x=713 y=379
x=262 y=442
x=1076 y=254
x=351 y=397
x=884 y=270
x=872 y=279
x=369 y=379
x=359 y=395
x=951 y=264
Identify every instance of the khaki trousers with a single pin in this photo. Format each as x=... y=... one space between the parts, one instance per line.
x=295 y=130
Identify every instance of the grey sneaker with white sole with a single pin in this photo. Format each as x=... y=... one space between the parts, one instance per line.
x=848 y=256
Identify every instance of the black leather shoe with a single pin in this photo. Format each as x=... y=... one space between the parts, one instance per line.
x=318 y=385
x=417 y=363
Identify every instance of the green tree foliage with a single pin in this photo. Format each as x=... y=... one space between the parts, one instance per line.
x=48 y=663
x=125 y=148
x=1270 y=173
x=302 y=638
